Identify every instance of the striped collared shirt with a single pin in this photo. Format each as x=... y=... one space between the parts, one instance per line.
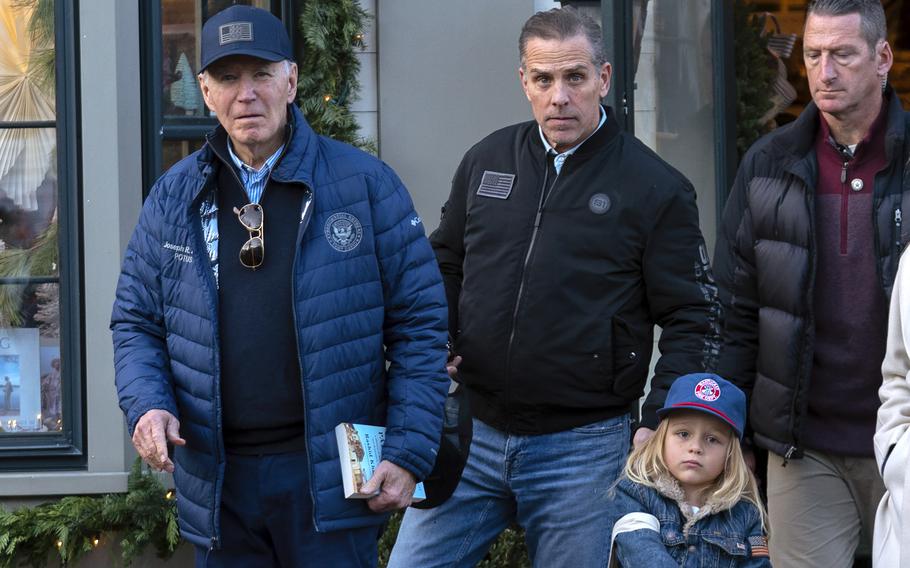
x=253 y=183
x=254 y=180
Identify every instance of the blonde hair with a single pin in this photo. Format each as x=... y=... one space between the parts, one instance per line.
x=736 y=483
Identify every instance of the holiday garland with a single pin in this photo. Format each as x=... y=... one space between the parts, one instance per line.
x=75 y=525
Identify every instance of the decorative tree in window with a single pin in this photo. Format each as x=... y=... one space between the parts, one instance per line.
x=185 y=92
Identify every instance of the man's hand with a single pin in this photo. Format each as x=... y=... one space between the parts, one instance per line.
x=452 y=366
x=153 y=431
x=395 y=484
x=642 y=435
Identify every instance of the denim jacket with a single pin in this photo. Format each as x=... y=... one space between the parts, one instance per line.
x=710 y=538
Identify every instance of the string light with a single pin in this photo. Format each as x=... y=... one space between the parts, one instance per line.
x=358 y=37
x=327 y=98
x=96 y=541
x=169 y=495
x=59 y=544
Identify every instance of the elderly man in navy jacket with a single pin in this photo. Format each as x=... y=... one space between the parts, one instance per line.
x=244 y=357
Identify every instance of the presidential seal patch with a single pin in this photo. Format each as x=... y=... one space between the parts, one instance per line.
x=599 y=203
x=343 y=231
x=708 y=390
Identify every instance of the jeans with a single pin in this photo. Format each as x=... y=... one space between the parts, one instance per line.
x=554 y=485
x=267 y=520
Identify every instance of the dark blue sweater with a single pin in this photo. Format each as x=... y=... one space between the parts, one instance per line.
x=261 y=392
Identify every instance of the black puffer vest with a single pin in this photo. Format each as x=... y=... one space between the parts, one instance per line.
x=765 y=263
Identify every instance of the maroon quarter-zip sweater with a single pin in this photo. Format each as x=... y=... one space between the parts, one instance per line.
x=851 y=309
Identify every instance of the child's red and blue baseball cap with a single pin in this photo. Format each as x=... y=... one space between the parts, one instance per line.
x=711 y=394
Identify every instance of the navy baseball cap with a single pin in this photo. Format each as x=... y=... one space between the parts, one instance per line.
x=711 y=394
x=244 y=30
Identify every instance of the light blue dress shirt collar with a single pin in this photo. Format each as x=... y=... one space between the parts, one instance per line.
x=254 y=180
x=560 y=159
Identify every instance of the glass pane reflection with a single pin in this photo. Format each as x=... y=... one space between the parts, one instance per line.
x=31 y=389
x=181 y=27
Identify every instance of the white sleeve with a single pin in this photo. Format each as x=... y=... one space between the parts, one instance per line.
x=894 y=413
x=628 y=523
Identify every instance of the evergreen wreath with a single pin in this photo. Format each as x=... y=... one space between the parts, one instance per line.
x=331 y=32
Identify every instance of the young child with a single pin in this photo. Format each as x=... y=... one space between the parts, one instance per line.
x=687 y=497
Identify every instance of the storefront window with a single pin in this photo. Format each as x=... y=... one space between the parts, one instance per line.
x=181 y=28
x=172 y=151
x=32 y=394
x=176 y=118
x=790 y=18
x=674 y=86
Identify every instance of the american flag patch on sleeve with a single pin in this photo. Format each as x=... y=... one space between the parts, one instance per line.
x=759 y=546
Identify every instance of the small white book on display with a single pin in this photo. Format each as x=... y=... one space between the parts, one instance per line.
x=360 y=451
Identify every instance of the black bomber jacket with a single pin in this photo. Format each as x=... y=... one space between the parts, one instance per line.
x=553 y=301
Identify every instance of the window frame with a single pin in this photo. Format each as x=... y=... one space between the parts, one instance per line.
x=155 y=130
x=616 y=20
x=65 y=449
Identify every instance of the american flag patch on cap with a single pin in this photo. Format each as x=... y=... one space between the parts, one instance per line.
x=495 y=184
x=235 y=31
x=759 y=546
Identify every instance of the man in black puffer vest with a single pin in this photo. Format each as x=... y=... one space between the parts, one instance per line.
x=805 y=260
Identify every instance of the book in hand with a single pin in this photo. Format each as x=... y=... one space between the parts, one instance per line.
x=360 y=451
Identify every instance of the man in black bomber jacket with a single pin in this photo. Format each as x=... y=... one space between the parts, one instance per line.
x=563 y=242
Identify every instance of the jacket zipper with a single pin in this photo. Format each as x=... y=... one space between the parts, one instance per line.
x=844 y=209
x=544 y=196
x=217 y=506
x=897 y=228
x=801 y=389
x=216 y=407
x=790 y=451
x=305 y=215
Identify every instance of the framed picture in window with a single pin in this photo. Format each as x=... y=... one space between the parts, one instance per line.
x=20 y=380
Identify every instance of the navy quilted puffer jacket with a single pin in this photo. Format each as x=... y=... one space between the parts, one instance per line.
x=381 y=300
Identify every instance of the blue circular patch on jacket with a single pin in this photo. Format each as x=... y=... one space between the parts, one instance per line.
x=343 y=231
x=599 y=203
